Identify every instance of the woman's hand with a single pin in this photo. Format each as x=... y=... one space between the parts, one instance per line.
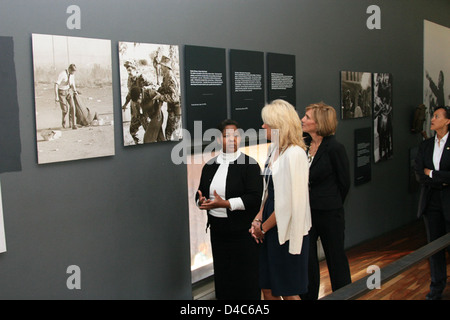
x=218 y=202
x=201 y=198
x=256 y=231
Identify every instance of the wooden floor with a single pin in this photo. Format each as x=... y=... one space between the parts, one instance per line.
x=412 y=284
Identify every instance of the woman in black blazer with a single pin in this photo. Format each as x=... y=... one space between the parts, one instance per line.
x=329 y=182
x=231 y=190
x=432 y=167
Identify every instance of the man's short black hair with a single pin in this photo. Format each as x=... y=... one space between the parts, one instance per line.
x=446 y=109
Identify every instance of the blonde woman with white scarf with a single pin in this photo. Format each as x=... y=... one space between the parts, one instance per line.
x=283 y=223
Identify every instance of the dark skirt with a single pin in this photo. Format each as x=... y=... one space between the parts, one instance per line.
x=284 y=273
x=235 y=260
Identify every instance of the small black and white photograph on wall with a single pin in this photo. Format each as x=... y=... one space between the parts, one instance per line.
x=150 y=92
x=247 y=87
x=383 y=144
x=73 y=98
x=281 y=79
x=356 y=94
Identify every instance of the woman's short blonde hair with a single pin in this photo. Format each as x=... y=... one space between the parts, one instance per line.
x=325 y=118
x=282 y=116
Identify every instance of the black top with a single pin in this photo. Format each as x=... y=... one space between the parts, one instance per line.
x=329 y=175
x=441 y=178
x=243 y=180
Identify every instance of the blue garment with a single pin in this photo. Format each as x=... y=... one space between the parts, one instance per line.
x=284 y=273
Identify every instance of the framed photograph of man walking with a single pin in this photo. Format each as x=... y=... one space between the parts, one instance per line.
x=73 y=98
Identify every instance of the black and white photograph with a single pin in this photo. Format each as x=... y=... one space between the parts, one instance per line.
x=383 y=144
x=436 y=84
x=73 y=98
x=150 y=92
x=356 y=94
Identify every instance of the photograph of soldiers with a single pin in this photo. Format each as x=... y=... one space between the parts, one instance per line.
x=436 y=67
x=383 y=143
x=356 y=94
x=150 y=91
x=73 y=98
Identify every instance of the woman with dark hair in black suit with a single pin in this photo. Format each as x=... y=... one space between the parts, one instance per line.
x=329 y=182
x=432 y=167
x=231 y=190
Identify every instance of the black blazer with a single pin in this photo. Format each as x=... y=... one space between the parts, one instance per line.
x=440 y=180
x=244 y=180
x=329 y=175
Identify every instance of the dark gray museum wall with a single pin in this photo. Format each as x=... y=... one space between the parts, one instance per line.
x=124 y=219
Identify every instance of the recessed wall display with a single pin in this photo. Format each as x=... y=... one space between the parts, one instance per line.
x=356 y=94
x=383 y=144
x=73 y=98
x=281 y=77
x=436 y=73
x=206 y=91
x=247 y=87
x=150 y=90
x=10 y=147
x=363 y=150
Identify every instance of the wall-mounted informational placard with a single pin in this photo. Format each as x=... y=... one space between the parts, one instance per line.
x=10 y=146
x=73 y=98
x=281 y=77
x=363 y=151
x=206 y=91
x=247 y=87
x=150 y=90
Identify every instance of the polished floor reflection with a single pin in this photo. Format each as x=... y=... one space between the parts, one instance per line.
x=412 y=284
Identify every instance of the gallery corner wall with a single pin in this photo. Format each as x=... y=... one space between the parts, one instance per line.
x=123 y=219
